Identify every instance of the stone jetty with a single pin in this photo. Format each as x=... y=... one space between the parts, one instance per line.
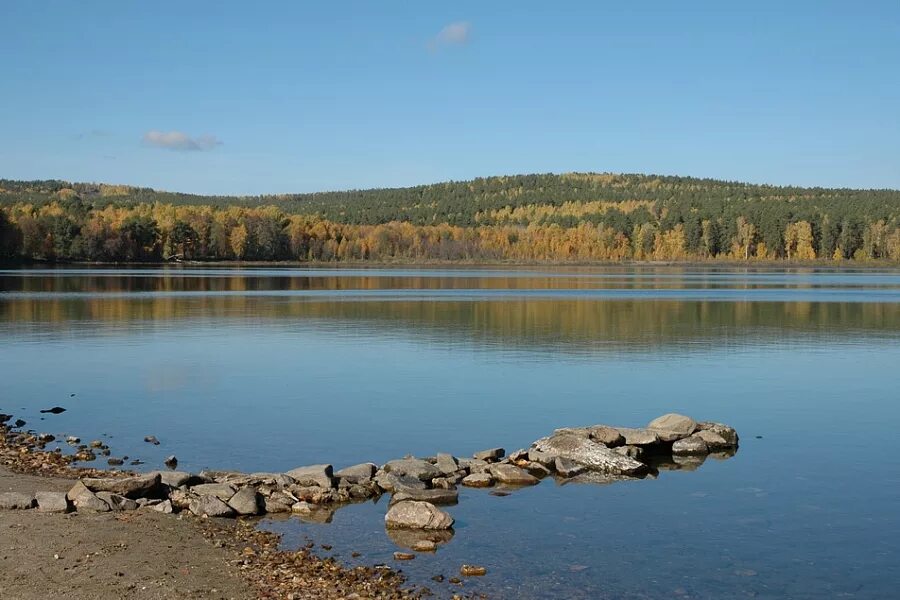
x=419 y=487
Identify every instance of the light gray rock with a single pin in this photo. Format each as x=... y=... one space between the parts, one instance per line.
x=358 y=473
x=210 y=506
x=693 y=445
x=595 y=456
x=52 y=502
x=474 y=465
x=542 y=458
x=277 y=504
x=130 y=487
x=569 y=468
x=478 y=480
x=16 y=501
x=673 y=426
x=447 y=463
x=512 y=475
x=320 y=475
x=491 y=454
x=164 y=507
x=639 y=437
x=391 y=482
x=174 y=479
x=117 y=502
x=411 y=514
x=608 y=436
x=84 y=499
x=413 y=467
x=714 y=441
x=245 y=502
x=728 y=433
x=436 y=496
x=222 y=491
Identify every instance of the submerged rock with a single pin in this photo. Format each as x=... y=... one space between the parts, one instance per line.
x=411 y=514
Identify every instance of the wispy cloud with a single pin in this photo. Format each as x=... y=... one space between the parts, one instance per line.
x=454 y=34
x=178 y=140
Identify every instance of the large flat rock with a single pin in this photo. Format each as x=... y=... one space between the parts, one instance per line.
x=592 y=455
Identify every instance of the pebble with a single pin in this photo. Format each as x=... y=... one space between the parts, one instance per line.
x=151 y=439
x=472 y=571
x=403 y=556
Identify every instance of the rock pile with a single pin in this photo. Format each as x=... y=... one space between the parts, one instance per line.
x=418 y=485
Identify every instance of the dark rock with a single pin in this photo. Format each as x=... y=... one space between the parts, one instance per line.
x=171 y=461
x=115 y=462
x=635 y=452
x=54 y=411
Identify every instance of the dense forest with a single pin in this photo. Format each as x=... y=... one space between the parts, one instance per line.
x=570 y=217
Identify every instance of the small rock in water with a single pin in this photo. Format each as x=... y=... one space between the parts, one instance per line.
x=478 y=480
x=151 y=439
x=21 y=423
x=136 y=462
x=171 y=461
x=115 y=462
x=54 y=411
x=96 y=444
x=472 y=571
x=72 y=440
x=46 y=438
x=403 y=556
x=425 y=546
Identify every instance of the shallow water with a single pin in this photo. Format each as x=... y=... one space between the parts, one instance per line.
x=267 y=369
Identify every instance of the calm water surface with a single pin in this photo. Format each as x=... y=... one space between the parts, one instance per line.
x=267 y=369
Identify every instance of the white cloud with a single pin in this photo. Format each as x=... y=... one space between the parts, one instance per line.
x=178 y=140
x=453 y=34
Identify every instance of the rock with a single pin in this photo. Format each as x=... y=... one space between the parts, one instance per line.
x=446 y=483
x=52 y=502
x=403 y=556
x=392 y=483
x=425 y=546
x=416 y=539
x=413 y=467
x=85 y=499
x=472 y=571
x=362 y=491
x=117 y=502
x=115 y=462
x=672 y=427
x=518 y=455
x=358 y=473
x=277 y=504
x=436 y=496
x=639 y=437
x=85 y=456
x=320 y=475
x=171 y=461
x=96 y=444
x=130 y=487
x=478 y=480
x=72 y=440
x=19 y=423
x=181 y=499
x=728 y=433
x=635 y=452
x=4 y=418
x=311 y=513
x=569 y=468
x=446 y=463
x=512 y=475
x=536 y=469
x=714 y=440
x=474 y=465
x=174 y=479
x=151 y=439
x=245 y=502
x=542 y=458
x=210 y=506
x=595 y=456
x=692 y=445
x=491 y=454
x=411 y=514
x=164 y=507
x=16 y=501
x=222 y=491
x=46 y=438
x=608 y=436
x=54 y=411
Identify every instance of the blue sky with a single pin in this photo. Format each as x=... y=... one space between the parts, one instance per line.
x=247 y=98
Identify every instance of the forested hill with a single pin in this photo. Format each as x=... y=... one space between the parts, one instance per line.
x=525 y=217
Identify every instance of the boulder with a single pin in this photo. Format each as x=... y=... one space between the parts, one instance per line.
x=174 y=479
x=16 y=501
x=592 y=455
x=245 y=502
x=411 y=514
x=672 y=426
x=542 y=458
x=210 y=506
x=478 y=480
x=392 y=482
x=222 y=491
x=117 y=502
x=569 y=468
x=85 y=499
x=639 y=437
x=130 y=487
x=436 y=496
x=608 y=436
x=358 y=473
x=693 y=445
x=714 y=440
x=474 y=465
x=490 y=454
x=320 y=475
x=278 y=504
x=512 y=475
x=52 y=502
x=413 y=467
x=727 y=433
x=447 y=464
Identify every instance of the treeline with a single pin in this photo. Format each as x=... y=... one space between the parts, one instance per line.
x=574 y=217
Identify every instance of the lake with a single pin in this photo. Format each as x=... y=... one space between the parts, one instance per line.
x=265 y=369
